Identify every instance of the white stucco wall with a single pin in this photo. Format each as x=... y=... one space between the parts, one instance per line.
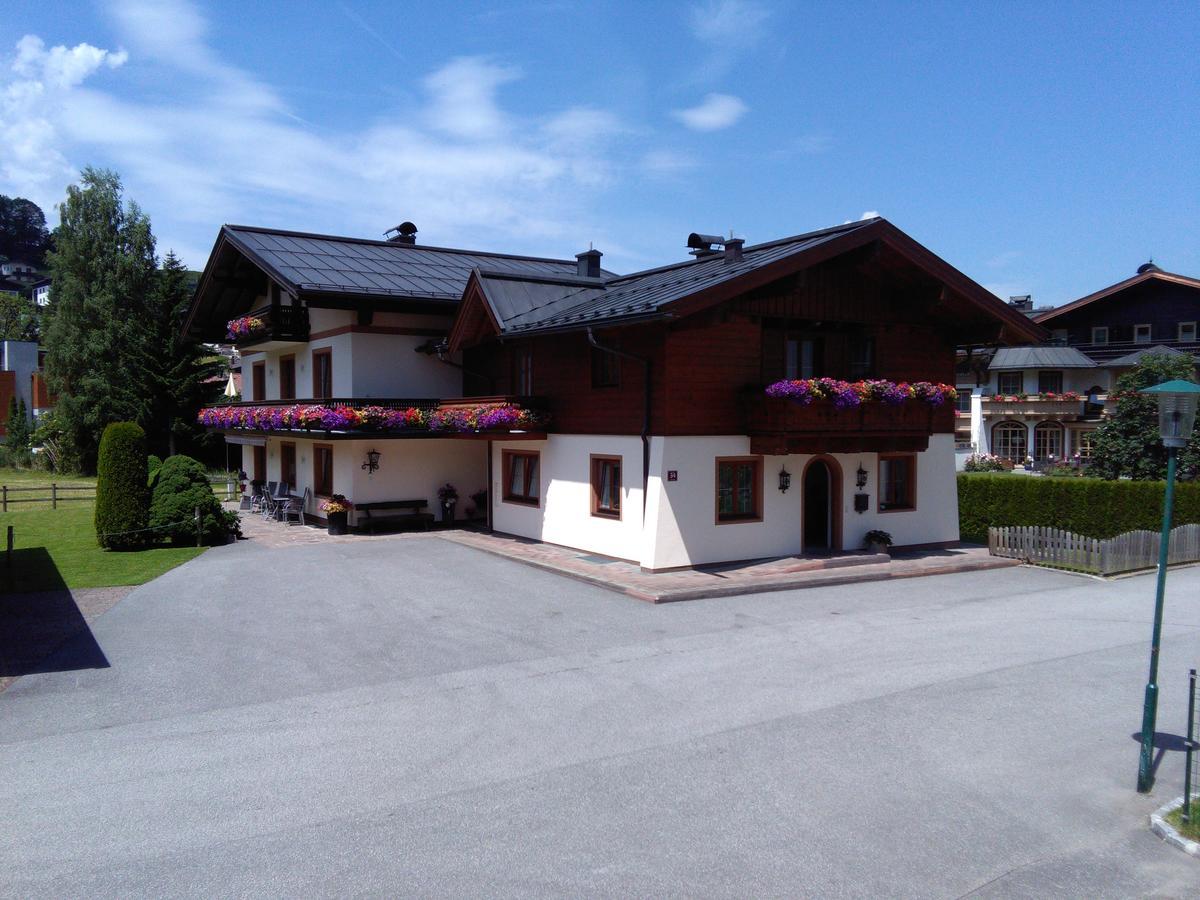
x=387 y=365
x=1078 y=380
x=565 y=514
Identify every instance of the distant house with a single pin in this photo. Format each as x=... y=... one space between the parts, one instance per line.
x=18 y=270
x=21 y=377
x=1043 y=403
x=41 y=291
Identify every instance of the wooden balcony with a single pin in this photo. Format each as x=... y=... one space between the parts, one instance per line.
x=778 y=426
x=284 y=326
x=382 y=417
x=1033 y=407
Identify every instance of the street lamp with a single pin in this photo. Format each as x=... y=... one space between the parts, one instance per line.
x=1176 y=415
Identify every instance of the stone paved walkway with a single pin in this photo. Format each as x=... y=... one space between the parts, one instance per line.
x=627 y=578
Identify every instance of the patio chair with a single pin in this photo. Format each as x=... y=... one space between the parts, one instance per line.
x=265 y=501
x=283 y=492
x=294 y=507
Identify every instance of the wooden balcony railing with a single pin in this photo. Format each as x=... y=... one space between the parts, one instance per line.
x=779 y=426
x=284 y=324
x=1057 y=408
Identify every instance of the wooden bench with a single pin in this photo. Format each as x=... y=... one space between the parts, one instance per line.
x=371 y=518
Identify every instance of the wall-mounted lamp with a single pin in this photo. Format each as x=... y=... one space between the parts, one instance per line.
x=785 y=480
x=862 y=476
x=372 y=462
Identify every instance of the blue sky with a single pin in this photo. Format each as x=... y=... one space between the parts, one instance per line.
x=1041 y=148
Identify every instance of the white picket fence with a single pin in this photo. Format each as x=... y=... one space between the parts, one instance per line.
x=1066 y=550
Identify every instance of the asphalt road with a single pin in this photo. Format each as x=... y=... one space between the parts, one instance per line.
x=416 y=718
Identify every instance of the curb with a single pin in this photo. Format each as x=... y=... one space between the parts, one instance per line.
x=1159 y=825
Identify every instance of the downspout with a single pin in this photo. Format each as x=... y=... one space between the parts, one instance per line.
x=645 y=361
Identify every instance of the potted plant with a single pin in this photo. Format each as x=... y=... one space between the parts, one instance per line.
x=479 y=498
x=878 y=541
x=448 y=495
x=337 y=511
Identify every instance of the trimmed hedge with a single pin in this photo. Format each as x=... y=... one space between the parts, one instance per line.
x=180 y=486
x=1091 y=507
x=122 y=498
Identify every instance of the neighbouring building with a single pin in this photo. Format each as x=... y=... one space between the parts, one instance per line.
x=1041 y=404
x=41 y=291
x=626 y=416
x=21 y=377
x=18 y=270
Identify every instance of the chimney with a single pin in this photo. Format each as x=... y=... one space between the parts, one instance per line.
x=404 y=233
x=704 y=245
x=733 y=250
x=1023 y=302
x=588 y=263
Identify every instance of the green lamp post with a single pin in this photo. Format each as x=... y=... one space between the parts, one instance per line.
x=1177 y=401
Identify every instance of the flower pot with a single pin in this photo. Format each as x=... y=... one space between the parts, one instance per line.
x=448 y=511
x=878 y=547
x=337 y=522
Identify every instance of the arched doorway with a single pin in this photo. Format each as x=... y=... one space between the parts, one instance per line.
x=1009 y=441
x=821 y=495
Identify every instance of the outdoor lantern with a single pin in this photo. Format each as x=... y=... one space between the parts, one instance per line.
x=1176 y=410
x=785 y=480
x=862 y=476
x=372 y=462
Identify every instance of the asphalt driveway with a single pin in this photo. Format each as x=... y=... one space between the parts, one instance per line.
x=414 y=717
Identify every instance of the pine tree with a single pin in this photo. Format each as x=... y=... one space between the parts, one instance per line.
x=103 y=271
x=177 y=369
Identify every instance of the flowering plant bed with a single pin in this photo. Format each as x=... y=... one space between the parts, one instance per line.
x=336 y=503
x=1044 y=395
x=299 y=417
x=852 y=394
x=244 y=326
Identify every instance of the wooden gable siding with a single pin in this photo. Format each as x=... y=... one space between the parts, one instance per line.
x=1160 y=304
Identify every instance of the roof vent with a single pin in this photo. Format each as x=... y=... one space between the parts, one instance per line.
x=404 y=233
x=1148 y=267
x=733 y=250
x=1022 y=302
x=704 y=245
x=588 y=263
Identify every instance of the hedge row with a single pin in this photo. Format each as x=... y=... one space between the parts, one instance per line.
x=1087 y=506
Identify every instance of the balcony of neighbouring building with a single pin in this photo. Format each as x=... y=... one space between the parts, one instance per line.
x=780 y=426
x=1050 y=406
x=272 y=327
x=375 y=417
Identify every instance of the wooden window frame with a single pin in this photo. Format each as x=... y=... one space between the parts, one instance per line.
x=1006 y=426
x=522 y=369
x=1097 y=329
x=327 y=353
x=1179 y=333
x=317 y=450
x=291 y=359
x=594 y=463
x=1046 y=428
x=1082 y=438
x=506 y=458
x=606 y=369
x=757 y=461
x=1056 y=372
x=1000 y=381
x=259 y=454
x=283 y=446
x=911 y=458
x=258 y=381
x=1149 y=333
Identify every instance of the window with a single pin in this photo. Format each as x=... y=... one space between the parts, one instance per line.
x=801 y=358
x=322 y=370
x=1083 y=443
x=1187 y=331
x=522 y=374
x=260 y=464
x=739 y=489
x=606 y=486
x=1100 y=334
x=862 y=358
x=1059 y=335
x=606 y=369
x=1050 y=382
x=1009 y=383
x=897 y=483
x=287 y=378
x=258 y=381
x=322 y=470
x=1141 y=334
x=1010 y=440
x=521 y=484
x=963 y=403
x=287 y=465
x=1047 y=441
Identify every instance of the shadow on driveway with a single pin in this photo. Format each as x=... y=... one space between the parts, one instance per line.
x=44 y=631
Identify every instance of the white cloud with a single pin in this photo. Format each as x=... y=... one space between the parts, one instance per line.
x=869 y=214
x=715 y=112
x=729 y=23
x=223 y=146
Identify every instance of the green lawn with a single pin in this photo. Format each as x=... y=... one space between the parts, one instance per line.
x=1192 y=829
x=57 y=547
x=20 y=480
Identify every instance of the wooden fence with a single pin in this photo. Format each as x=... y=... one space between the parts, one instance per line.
x=1061 y=549
x=54 y=494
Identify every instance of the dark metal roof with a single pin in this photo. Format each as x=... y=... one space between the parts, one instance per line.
x=331 y=264
x=1132 y=359
x=521 y=305
x=1040 y=358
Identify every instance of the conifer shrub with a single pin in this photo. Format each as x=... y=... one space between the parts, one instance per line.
x=182 y=485
x=122 y=499
x=1090 y=507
